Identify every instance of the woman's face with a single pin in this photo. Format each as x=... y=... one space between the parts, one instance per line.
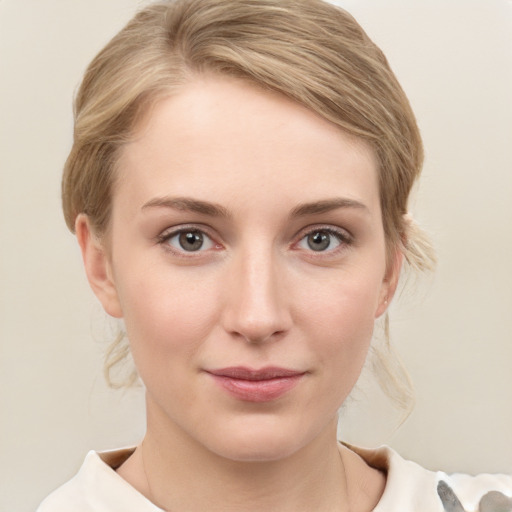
x=247 y=258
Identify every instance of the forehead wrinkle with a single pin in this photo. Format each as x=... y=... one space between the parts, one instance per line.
x=188 y=204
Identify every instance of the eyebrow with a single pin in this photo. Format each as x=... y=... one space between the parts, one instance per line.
x=327 y=205
x=188 y=204
x=216 y=210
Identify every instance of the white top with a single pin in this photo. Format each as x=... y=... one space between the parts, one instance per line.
x=409 y=488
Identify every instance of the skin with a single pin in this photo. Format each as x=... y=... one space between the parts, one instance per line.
x=254 y=295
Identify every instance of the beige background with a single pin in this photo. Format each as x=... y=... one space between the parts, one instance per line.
x=455 y=333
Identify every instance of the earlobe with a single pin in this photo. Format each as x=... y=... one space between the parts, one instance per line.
x=390 y=283
x=97 y=266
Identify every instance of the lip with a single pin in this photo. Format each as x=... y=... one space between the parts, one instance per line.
x=261 y=385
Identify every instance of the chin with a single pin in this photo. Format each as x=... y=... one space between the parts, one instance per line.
x=256 y=451
x=260 y=441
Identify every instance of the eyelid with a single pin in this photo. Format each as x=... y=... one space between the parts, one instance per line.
x=343 y=235
x=171 y=232
x=337 y=230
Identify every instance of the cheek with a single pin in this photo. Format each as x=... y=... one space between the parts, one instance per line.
x=167 y=314
x=342 y=322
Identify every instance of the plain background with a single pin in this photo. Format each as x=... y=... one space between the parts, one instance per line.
x=454 y=60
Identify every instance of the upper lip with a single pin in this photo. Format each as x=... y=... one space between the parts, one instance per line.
x=244 y=373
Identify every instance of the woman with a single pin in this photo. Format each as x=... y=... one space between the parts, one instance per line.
x=238 y=185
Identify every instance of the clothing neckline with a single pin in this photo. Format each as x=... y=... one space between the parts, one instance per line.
x=403 y=478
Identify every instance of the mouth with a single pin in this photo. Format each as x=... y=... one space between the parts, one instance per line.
x=263 y=385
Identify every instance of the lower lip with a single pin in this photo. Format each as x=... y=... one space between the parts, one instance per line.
x=257 y=390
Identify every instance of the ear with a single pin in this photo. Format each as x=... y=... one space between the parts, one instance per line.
x=98 y=267
x=390 y=282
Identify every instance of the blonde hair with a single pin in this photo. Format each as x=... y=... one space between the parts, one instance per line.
x=308 y=50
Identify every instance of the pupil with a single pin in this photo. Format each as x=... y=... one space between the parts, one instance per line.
x=318 y=241
x=191 y=241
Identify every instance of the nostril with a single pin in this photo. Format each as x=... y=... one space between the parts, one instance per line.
x=260 y=338
x=255 y=306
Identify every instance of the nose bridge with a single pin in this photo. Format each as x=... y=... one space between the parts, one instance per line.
x=256 y=308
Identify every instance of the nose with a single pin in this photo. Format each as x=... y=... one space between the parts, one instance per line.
x=256 y=308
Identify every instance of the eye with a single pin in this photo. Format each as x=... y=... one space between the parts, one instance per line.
x=323 y=240
x=188 y=240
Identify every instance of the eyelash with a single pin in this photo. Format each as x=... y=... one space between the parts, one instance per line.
x=343 y=238
x=167 y=235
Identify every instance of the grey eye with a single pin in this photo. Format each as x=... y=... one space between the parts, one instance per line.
x=320 y=240
x=187 y=240
x=190 y=240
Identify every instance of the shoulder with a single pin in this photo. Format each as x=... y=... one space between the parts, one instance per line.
x=412 y=487
x=97 y=487
x=72 y=493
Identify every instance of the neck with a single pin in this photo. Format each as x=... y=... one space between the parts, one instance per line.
x=245 y=487
x=177 y=473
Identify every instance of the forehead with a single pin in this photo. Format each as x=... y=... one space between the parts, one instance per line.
x=222 y=135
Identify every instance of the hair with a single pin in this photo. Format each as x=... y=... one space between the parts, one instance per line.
x=308 y=50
